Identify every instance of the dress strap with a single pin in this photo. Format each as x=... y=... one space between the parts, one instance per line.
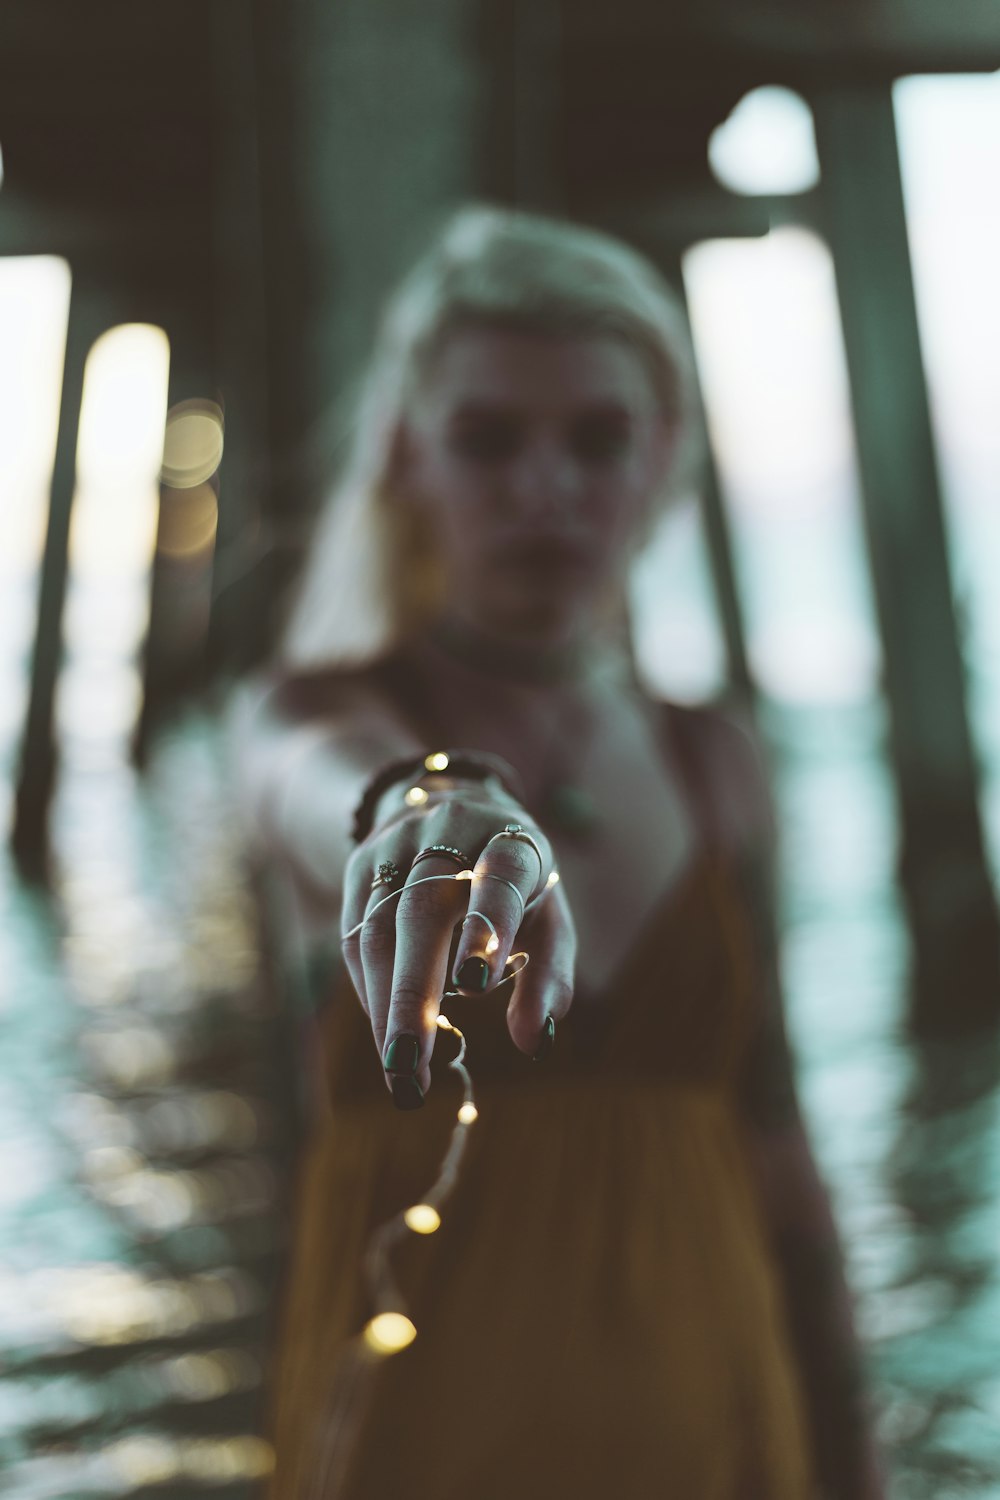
x=686 y=733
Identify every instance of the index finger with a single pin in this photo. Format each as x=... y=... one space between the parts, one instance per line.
x=429 y=906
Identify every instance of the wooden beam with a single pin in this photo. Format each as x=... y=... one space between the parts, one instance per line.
x=36 y=775
x=719 y=543
x=942 y=863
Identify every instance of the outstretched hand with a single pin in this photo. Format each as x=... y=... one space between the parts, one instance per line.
x=397 y=949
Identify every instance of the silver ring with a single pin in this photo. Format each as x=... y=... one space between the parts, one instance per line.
x=388 y=874
x=515 y=831
x=445 y=851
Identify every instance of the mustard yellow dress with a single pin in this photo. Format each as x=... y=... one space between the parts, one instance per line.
x=598 y=1315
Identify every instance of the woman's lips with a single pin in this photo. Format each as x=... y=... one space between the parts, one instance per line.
x=536 y=551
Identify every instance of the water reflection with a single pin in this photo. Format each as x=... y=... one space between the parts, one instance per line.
x=907 y=1128
x=143 y=1118
x=941 y=1309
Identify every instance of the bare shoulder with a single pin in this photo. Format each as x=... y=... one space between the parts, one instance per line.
x=279 y=717
x=731 y=770
x=367 y=701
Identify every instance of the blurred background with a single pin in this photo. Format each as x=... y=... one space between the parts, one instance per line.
x=201 y=209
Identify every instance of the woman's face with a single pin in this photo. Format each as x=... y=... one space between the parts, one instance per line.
x=534 y=458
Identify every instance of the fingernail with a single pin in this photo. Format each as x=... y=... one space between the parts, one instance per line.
x=473 y=975
x=406 y=1093
x=547 y=1040
x=402 y=1053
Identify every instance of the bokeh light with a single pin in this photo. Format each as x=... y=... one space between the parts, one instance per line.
x=767 y=145
x=389 y=1332
x=188 y=522
x=206 y=1376
x=152 y=1460
x=193 y=441
x=422 y=1218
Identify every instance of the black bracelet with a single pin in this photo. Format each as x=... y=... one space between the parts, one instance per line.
x=474 y=766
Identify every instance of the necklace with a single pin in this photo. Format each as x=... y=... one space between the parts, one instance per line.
x=510 y=659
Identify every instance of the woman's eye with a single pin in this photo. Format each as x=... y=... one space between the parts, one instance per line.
x=486 y=442
x=599 y=442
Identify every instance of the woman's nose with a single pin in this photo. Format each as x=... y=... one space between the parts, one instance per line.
x=546 y=481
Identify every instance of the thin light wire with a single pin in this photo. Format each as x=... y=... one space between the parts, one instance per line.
x=358 y=1360
x=460 y=875
x=502 y=880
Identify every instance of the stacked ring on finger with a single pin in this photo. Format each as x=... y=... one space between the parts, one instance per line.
x=443 y=851
x=388 y=874
x=515 y=831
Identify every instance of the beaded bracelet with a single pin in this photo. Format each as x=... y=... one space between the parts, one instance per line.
x=475 y=766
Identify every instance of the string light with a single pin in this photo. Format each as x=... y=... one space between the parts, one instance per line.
x=389 y=1332
x=390 y=1329
x=439 y=761
x=416 y=796
x=460 y=875
x=422 y=1218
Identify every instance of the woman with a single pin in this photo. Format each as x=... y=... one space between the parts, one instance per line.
x=636 y=1281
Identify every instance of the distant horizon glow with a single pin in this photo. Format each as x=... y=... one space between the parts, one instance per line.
x=767 y=332
x=34 y=309
x=112 y=539
x=120 y=450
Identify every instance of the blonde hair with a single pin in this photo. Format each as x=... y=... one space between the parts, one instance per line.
x=357 y=598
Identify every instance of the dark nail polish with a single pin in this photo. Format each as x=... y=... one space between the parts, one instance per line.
x=406 y=1093
x=547 y=1039
x=402 y=1053
x=473 y=975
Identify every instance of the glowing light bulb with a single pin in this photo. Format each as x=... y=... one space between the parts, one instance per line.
x=492 y=943
x=422 y=1218
x=444 y=1023
x=437 y=762
x=468 y=1113
x=387 y=1333
x=416 y=796
x=464 y=875
x=553 y=878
